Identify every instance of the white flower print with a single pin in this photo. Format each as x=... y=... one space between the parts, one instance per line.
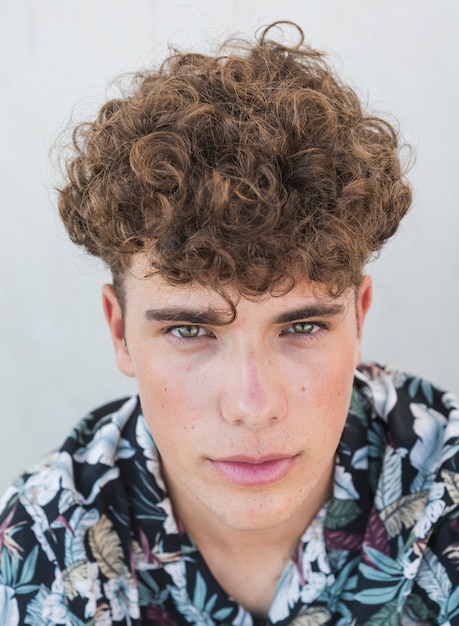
x=122 y=595
x=9 y=611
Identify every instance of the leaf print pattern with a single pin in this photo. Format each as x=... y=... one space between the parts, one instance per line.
x=403 y=513
x=18 y=579
x=420 y=385
x=429 y=426
x=7 y=532
x=376 y=535
x=343 y=486
x=451 y=480
x=106 y=548
x=383 y=391
x=390 y=490
x=312 y=617
x=342 y=513
x=434 y=580
x=89 y=536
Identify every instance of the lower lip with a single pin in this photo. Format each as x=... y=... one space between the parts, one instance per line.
x=253 y=474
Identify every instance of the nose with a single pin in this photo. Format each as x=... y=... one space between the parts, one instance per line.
x=252 y=392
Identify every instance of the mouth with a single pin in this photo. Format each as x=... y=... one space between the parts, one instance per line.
x=250 y=472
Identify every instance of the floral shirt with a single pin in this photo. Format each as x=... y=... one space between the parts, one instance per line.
x=88 y=536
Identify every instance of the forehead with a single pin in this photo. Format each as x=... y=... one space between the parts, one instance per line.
x=145 y=289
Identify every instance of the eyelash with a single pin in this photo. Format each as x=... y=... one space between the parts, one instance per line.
x=169 y=331
x=319 y=326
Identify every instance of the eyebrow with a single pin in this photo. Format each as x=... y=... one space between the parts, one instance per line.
x=213 y=317
x=311 y=311
x=210 y=317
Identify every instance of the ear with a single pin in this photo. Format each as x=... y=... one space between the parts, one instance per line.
x=114 y=316
x=363 y=303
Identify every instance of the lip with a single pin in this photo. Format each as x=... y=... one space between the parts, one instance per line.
x=250 y=472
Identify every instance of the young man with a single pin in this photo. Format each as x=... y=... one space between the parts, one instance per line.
x=259 y=477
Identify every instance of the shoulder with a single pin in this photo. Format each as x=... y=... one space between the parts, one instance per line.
x=409 y=423
x=63 y=531
x=392 y=393
x=412 y=431
x=99 y=438
x=413 y=456
x=74 y=474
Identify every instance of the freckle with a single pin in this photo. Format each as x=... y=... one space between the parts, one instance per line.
x=303 y=389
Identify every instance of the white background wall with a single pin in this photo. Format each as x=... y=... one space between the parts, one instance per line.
x=55 y=354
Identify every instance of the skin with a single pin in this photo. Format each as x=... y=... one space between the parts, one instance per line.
x=273 y=386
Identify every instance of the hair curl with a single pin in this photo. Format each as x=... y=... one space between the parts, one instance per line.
x=249 y=168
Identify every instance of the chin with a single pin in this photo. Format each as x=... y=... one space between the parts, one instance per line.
x=257 y=513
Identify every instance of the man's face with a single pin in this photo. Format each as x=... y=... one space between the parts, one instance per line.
x=246 y=415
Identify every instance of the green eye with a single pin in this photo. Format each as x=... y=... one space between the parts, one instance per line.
x=304 y=328
x=186 y=332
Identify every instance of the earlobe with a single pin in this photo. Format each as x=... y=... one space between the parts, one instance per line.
x=114 y=316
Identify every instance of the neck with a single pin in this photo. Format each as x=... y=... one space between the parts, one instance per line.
x=247 y=562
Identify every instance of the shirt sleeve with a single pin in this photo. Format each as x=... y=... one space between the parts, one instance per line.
x=28 y=572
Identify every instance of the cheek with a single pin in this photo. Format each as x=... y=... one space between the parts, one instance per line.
x=172 y=402
x=162 y=381
x=326 y=390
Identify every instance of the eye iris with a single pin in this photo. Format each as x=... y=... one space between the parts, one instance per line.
x=303 y=327
x=188 y=332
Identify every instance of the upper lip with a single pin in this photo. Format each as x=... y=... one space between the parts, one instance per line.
x=253 y=460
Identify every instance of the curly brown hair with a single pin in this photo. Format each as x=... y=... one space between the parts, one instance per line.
x=249 y=168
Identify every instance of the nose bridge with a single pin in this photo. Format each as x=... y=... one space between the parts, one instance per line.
x=252 y=390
